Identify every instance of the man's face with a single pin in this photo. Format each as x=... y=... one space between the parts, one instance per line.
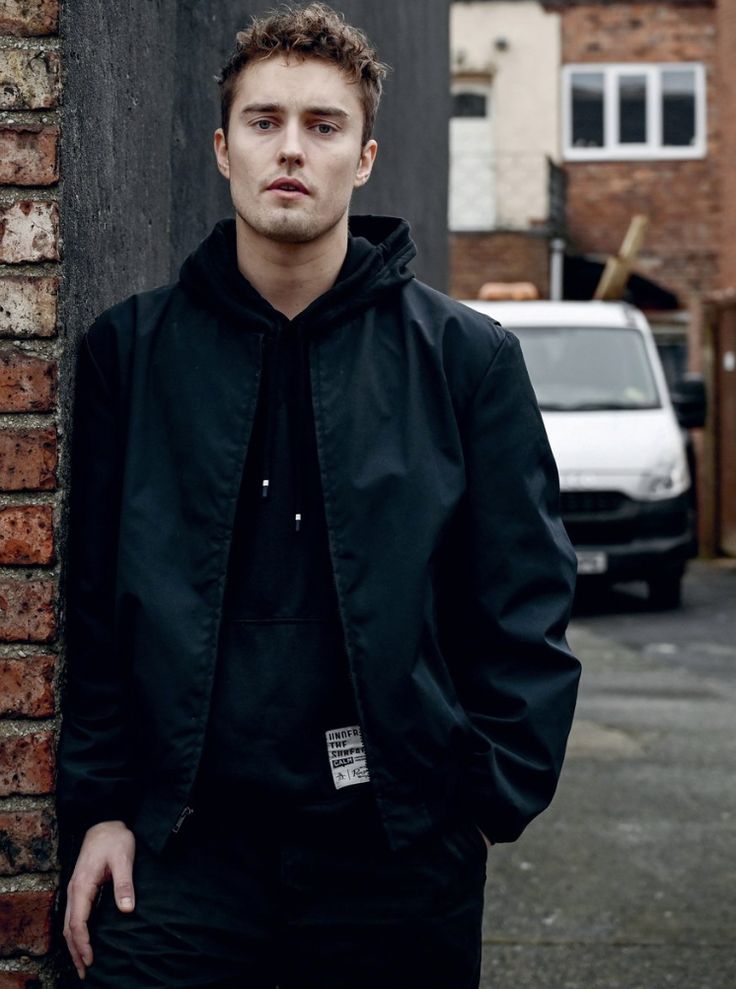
x=293 y=154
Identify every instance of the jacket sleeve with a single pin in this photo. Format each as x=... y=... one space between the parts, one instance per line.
x=95 y=780
x=510 y=589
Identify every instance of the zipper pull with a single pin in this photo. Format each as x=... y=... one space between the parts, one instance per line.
x=264 y=488
x=298 y=521
x=181 y=818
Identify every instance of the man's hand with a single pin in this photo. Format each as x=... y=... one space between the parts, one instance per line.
x=106 y=854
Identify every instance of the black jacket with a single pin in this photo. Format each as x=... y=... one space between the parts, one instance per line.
x=453 y=573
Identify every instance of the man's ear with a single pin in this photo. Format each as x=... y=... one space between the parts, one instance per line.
x=221 y=155
x=365 y=163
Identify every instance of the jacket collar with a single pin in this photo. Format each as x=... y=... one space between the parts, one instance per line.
x=211 y=274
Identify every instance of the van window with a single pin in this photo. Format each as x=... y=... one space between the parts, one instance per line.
x=576 y=368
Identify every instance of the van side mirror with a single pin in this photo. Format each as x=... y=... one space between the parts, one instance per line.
x=689 y=401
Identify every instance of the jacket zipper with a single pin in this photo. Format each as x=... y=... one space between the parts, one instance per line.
x=181 y=818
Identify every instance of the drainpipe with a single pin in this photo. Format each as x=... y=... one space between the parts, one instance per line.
x=556 y=262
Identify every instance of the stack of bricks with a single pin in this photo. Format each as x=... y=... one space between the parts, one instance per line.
x=29 y=501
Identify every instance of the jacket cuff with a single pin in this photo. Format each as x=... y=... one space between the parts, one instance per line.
x=76 y=819
x=498 y=821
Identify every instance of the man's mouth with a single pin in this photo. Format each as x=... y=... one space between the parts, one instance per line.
x=289 y=185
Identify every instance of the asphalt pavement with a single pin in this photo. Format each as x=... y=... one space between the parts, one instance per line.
x=629 y=880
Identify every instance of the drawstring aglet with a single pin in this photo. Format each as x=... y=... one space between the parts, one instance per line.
x=264 y=488
x=298 y=521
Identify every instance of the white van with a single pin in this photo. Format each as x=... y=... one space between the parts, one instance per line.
x=625 y=482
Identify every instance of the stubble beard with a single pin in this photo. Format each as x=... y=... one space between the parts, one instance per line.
x=290 y=226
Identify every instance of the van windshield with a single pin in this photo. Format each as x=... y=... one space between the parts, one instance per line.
x=575 y=368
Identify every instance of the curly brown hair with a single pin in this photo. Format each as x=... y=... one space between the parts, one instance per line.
x=315 y=31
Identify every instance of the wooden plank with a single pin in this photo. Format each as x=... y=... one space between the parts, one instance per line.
x=617 y=270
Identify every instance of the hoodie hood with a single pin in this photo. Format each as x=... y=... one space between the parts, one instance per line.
x=379 y=250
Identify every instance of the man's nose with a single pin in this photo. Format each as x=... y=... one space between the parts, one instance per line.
x=291 y=151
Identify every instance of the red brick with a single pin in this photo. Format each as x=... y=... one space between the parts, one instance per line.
x=19 y=980
x=27 y=610
x=27 y=764
x=28 y=306
x=29 y=231
x=637 y=32
x=27 y=383
x=29 y=79
x=29 y=17
x=29 y=154
x=679 y=197
x=25 y=922
x=726 y=34
x=27 y=842
x=28 y=459
x=26 y=535
x=27 y=686
x=497 y=257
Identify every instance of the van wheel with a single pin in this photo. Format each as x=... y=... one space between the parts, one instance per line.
x=665 y=592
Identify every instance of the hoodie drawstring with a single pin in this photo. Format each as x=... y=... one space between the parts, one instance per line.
x=301 y=424
x=270 y=370
x=271 y=374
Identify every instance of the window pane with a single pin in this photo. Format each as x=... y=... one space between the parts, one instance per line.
x=468 y=105
x=587 y=109
x=678 y=107
x=632 y=109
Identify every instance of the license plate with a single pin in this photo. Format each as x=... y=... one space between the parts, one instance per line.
x=589 y=563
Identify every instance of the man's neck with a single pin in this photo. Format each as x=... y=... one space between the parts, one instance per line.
x=290 y=276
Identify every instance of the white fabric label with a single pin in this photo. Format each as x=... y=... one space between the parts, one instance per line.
x=347 y=756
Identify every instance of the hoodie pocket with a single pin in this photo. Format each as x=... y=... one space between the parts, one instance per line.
x=280 y=685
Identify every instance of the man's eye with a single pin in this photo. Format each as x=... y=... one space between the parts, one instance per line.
x=263 y=124
x=325 y=128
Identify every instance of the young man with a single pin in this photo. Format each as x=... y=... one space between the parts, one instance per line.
x=318 y=586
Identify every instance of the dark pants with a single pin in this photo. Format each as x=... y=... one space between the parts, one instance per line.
x=310 y=902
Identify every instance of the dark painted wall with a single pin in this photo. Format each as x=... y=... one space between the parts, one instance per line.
x=410 y=176
x=140 y=187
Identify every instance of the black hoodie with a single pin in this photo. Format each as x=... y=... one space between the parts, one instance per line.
x=282 y=676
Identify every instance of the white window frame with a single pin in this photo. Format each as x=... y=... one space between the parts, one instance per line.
x=613 y=149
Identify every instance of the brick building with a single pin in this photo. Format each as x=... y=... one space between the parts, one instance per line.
x=640 y=88
x=641 y=128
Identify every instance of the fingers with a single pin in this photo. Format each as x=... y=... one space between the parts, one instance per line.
x=80 y=894
x=75 y=956
x=122 y=881
x=107 y=852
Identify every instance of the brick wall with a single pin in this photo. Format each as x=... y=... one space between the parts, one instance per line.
x=29 y=499
x=726 y=16
x=681 y=198
x=497 y=257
